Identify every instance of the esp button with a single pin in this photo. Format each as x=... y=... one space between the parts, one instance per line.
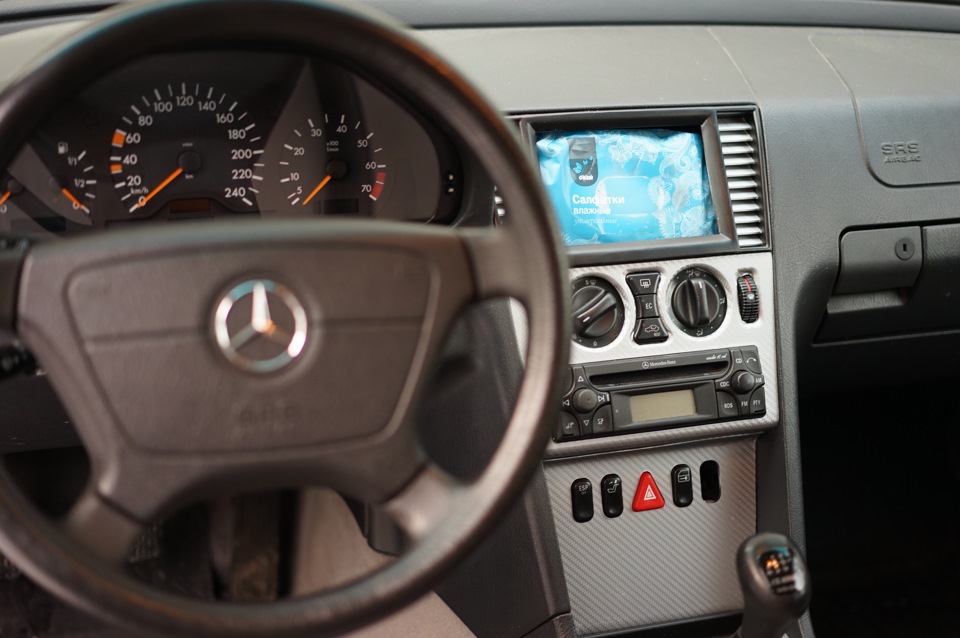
x=581 y=493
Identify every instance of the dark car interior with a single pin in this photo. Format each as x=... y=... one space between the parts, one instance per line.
x=507 y=320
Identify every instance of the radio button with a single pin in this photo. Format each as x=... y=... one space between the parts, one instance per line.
x=579 y=377
x=569 y=426
x=586 y=425
x=585 y=400
x=647 y=306
x=727 y=407
x=644 y=283
x=751 y=359
x=736 y=358
x=758 y=402
x=649 y=331
x=603 y=420
x=743 y=382
x=744 y=403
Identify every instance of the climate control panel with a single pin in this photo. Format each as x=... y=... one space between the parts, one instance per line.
x=696 y=301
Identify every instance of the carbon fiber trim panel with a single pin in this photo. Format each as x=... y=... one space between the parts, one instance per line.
x=732 y=333
x=659 y=566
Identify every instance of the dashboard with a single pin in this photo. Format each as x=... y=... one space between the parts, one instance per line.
x=818 y=173
x=228 y=134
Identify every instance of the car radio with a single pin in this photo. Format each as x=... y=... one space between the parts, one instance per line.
x=619 y=397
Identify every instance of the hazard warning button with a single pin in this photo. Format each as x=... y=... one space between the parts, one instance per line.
x=648 y=495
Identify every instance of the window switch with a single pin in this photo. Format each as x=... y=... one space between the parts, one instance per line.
x=682 y=479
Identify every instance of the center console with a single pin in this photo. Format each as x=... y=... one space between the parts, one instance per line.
x=651 y=469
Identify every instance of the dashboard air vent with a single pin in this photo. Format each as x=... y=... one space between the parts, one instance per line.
x=740 y=147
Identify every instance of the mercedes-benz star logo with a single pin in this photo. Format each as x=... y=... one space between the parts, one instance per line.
x=260 y=325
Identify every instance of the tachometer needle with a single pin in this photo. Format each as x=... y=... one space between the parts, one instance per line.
x=317 y=189
x=5 y=197
x=174 y=175
x=74 y=200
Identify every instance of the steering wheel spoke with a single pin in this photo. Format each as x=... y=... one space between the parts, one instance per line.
x=101 y=528
x=497 y=257
x=425 y=502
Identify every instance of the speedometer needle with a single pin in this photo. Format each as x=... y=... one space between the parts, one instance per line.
x=5 y=197
x=74 y=200
x=317 y=189
x=174 y=175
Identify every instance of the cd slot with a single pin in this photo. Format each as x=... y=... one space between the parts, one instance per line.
x=658 y=375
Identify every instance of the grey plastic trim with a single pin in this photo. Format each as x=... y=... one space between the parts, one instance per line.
x=733 y=333
x=438 y=13
x=658 y=566
x=694 y=118
x=848 y=13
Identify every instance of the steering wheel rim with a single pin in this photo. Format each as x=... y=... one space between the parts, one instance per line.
x=445 y=519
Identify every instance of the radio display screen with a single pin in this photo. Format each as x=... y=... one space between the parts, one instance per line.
x=662 y=405
x=627 y=185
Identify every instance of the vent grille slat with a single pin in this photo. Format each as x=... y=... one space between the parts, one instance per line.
x=746 y=160
x=745 y=207
x=734 y=126
x=739 y=148
x=735 y=138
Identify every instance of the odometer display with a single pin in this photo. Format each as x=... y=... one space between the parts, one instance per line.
x=184 y=141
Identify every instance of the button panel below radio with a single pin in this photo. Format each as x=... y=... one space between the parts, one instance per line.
x=717 y=385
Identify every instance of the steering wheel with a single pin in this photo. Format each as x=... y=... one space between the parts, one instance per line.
x=148 y=337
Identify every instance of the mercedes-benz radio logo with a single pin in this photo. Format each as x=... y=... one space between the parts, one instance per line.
x=260 y=325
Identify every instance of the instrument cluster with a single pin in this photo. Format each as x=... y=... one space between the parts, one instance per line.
x=225 y=134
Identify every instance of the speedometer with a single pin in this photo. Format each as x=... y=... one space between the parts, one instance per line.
x=186 y=142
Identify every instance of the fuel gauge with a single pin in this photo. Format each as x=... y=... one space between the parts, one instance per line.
x=74 y=180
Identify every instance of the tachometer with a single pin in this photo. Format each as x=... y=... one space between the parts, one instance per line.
x=186 y=141
x=330 y=164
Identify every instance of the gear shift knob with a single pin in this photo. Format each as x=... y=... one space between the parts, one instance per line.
x=775 y=582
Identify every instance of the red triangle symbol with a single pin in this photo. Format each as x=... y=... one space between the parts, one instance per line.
x=648 y=495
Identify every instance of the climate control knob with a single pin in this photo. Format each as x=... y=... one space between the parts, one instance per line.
x=597 y=312
x=699 y=302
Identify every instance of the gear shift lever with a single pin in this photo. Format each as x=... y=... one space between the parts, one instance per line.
x=775 y=582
